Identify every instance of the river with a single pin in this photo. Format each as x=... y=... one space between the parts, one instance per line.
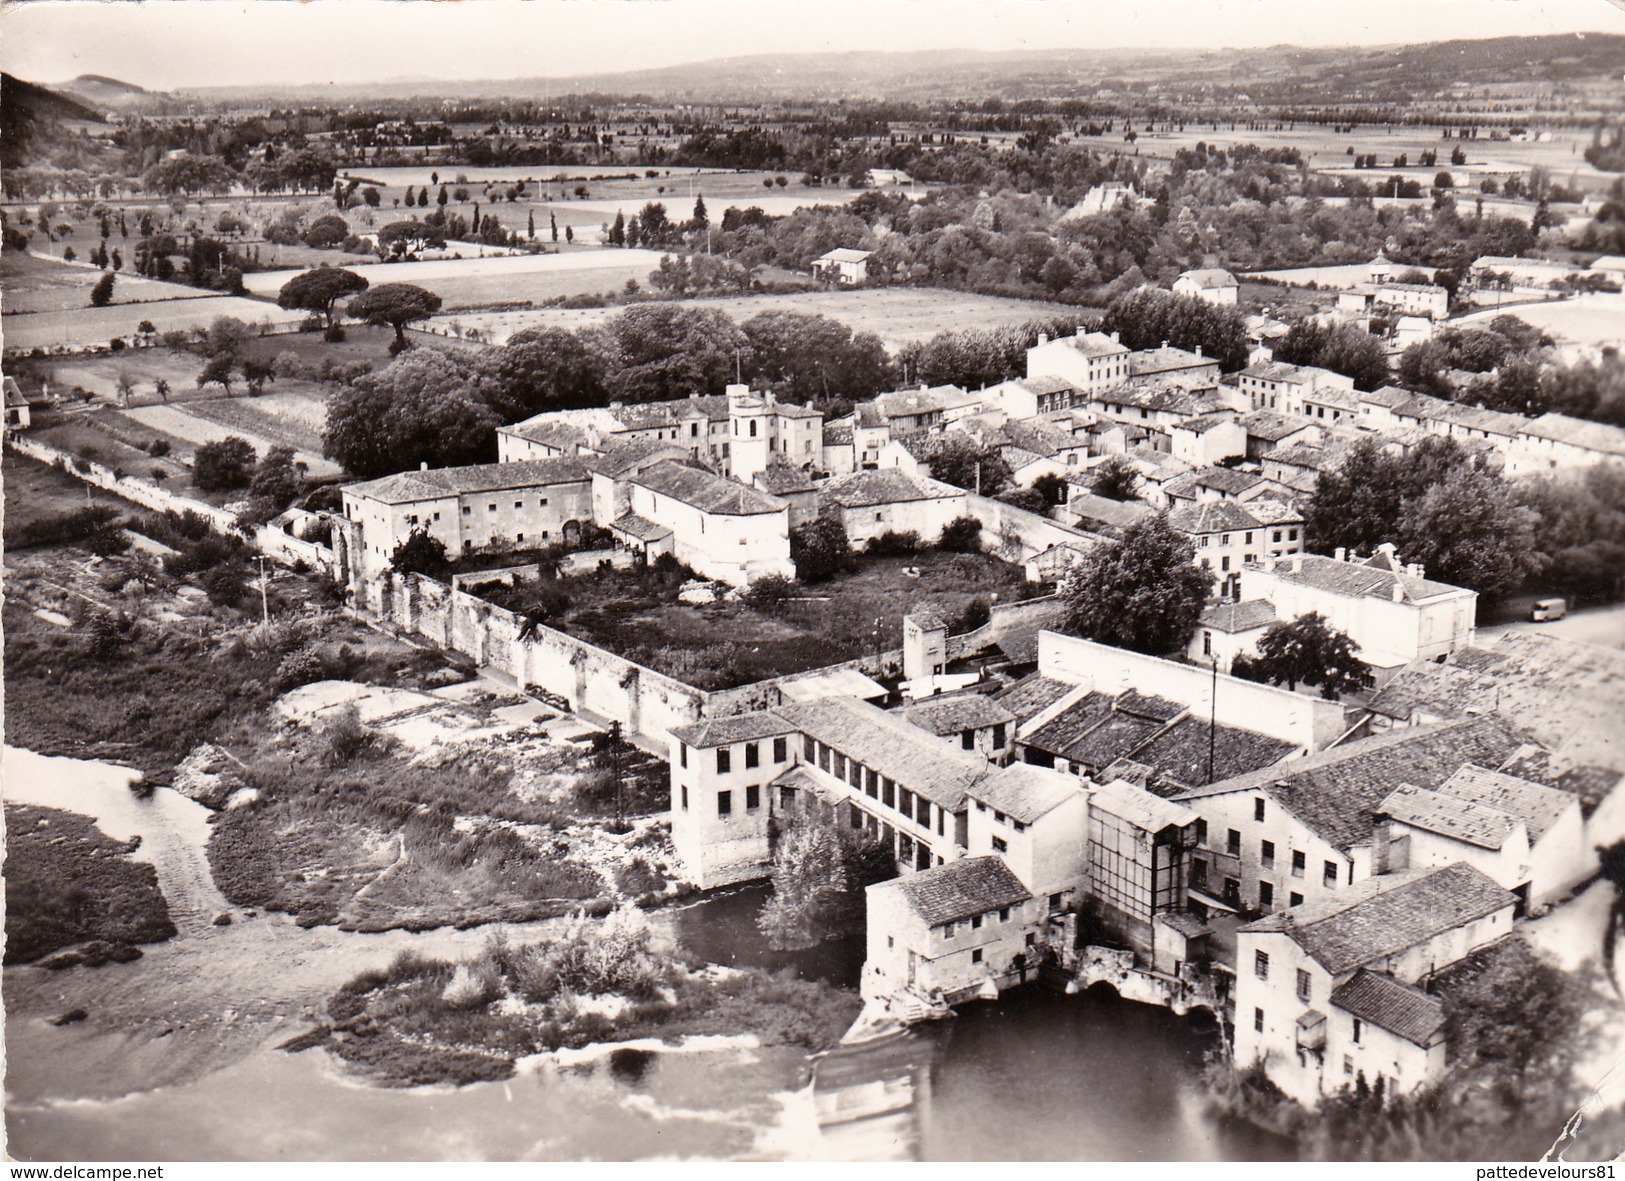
x=1035 y=1075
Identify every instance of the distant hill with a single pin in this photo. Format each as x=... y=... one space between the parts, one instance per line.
x=1284 y=73
x=107 y=93
x=30 y=115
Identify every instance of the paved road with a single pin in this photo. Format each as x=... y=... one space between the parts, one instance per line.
x=1596 y=625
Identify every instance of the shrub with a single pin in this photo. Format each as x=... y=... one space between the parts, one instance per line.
x=962 y=535
x=158 y=448
x=894 y=544
x=224 y=585
x=62 y=528
x=334 y=334
x=975 y=613
x=227 y=463
x=770 y=592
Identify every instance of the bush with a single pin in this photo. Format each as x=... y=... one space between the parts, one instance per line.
x=158 y=448
x=334 y=334
x=962 y=536
x=976 y=613
x=223 y=465
x=894 y=544
x=770 y=592
x=63 y=528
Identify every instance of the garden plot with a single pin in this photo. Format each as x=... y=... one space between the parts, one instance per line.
x=197 y=430
x=300 y=429
x=898 y=315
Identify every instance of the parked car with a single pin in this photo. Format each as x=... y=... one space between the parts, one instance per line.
x=1546 y=610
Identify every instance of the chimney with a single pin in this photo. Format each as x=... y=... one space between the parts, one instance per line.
x=1043 y=339
x=617 y=405
x=694 y=396
x=1165 y=344
x=1297 y=563
x=1341 y=554
x=738 y=391
x=1117 y=338
x=1198 y=350
x=1414 y=570
x=423 y=465
x=1399 y=591
x=923 y=387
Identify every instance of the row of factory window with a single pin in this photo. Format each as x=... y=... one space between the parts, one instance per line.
x=877 y=787
x=753 y=755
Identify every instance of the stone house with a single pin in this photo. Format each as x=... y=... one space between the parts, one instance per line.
x=721 y=529
x=1088 y=362
x=972 y=722
x=1036 y=820
x=843 y=266
x=1212 y=285
x=871 y=503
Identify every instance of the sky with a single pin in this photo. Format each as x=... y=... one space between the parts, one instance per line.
x=176 y=44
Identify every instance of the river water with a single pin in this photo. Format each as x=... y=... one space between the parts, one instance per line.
x=1033 y=1076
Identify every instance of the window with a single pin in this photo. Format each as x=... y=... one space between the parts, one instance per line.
x=753 y=798
x=725 y=803
x=787 y=798
x=998 y=734
x=1266 y=895
x=999 y=845
x=890 y=942
x=1261 y=964
x=1232 y=843
x=685 y=797
x=752 y=757
x=967 y=740
x=976 y=956
x=781 y=750
x=947 y=930
x=1348 y=1064
x=1258 y=809
x=1019 y=825
x=1331 y=873
x=1224 y=562
x=725 y=762
x=1199 y=873
x=976 y=922
x=1299 y=861
x=1032 y=939
x=519 y=537
x=999 y=817
x=1201 y=831
x=519 y=504
x=491 y=508
x=905 y=802
x=1258 y=1020
x=1295 y=899
x=1207 y=643
x=888 y=795
x=809 y=749
x=682 y=754
x=1303 y=986
x=1358 y=1029
x=467 y=509
x=1266 y=854
x=940 y=831
x=1277 y=536
x=1055 y=901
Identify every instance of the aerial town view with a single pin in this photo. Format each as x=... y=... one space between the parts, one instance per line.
x=701 y=582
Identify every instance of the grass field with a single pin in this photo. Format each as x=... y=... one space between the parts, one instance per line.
x=33 y=285
x=898 y=315
x=86 y=328
x=35 y=491
x=1597 y=319
x=221 y=418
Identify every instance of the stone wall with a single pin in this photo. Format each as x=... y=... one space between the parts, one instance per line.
x=1016 y=535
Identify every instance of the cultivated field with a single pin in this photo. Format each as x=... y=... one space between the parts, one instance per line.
x=221 y=418
x=476 y=281
x=898 y=315
x=86 y=328
x=30 y=285
x=1597 y=319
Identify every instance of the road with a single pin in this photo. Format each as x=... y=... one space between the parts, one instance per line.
x=1595 y=625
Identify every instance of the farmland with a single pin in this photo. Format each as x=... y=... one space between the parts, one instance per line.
x=92 y=328
x=1597 y=319
x=898 y=315
x=34 y=285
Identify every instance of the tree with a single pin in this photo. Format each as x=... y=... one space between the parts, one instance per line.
x=1341 y=348
x=666 y=350
x=326 y=232
x=1115 y=478
x=701 y=219
x=371 y=197
x=617 y=230
x=1307 y=651
x=226 y=336
x=1469 y=530
x=820 y=549
x=1052 y=487
x=819 y=877
x=960 y=461
x=569 y=233
x=544 y=369
x=102 y=294
x=395 y=305
x=1142 y=591
x=814 y=358
x=1358 y=506
x=216 y=372
x=420 y=554
x=256 y=373
x=962 y=535
x=320 y=290
x=1145 y=317
x=426 y=406
x=224 y=464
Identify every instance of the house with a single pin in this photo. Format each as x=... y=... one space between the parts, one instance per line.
x=890 y=501
x=1211 y=285
x=1228 y=629
x=722 y=802
x=1269 y=429
x=1327 y=993
x=1228 y=535
x=1101 y=514
x=1036 y=820
x=1208 y=439
x=1556 y=441
x=1396 y=299
x=880 y=177
x=1028 y=397
x=1157 y=404
x=721 y=529
x=843 y=266
x=1274 y=385
x=953 y=932
x=485 y=507
x=1102 y=198
x=1157 y=470
x=17 y=412
x=1282 y=835
x=1138 y=859
x=973 y=722
x=907 y=412
x=1393 y=613
x=793 y=485
x=1214 y=483
x=1190 y=369
x=1527 y=837
x=1087 y=361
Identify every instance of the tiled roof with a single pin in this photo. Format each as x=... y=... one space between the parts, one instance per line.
x=1578 y=432
x=1032 y=695
x=1025 y=792
x=1144 y=705
x=1211 y=277
x=889 y=746
x=1061 y=732
x=1118 y=735
x=1268 y=511
x=1384 y=1002
x=845 y=254
x=621 y=458
x=1151 y=395
x=1209 y=516
x=1045 y=385
x=739 y=728
x=902 y=403
x=960 y=889
x=1388 y=395
x=955 y=715
x=838 y=435
x=888 y=486
x=1040 y=437
x=642 y=416
x=553 y=432
x=1238 y=617
x=639 y=527
x=1337 y=791
x=1359 y=580
x=1162 y=360
x=706 y=491
x=1180 y=753
x=1538 y=806
x=1276 y=371
x=780 y=478
x=1220 y=479
x=1104 y=511
x=1448 y=816
x=1095 y=344
x=482 y=477
x=1385 y=915
x=1589 y=784
x=1139 y=807
x=1201 y=426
